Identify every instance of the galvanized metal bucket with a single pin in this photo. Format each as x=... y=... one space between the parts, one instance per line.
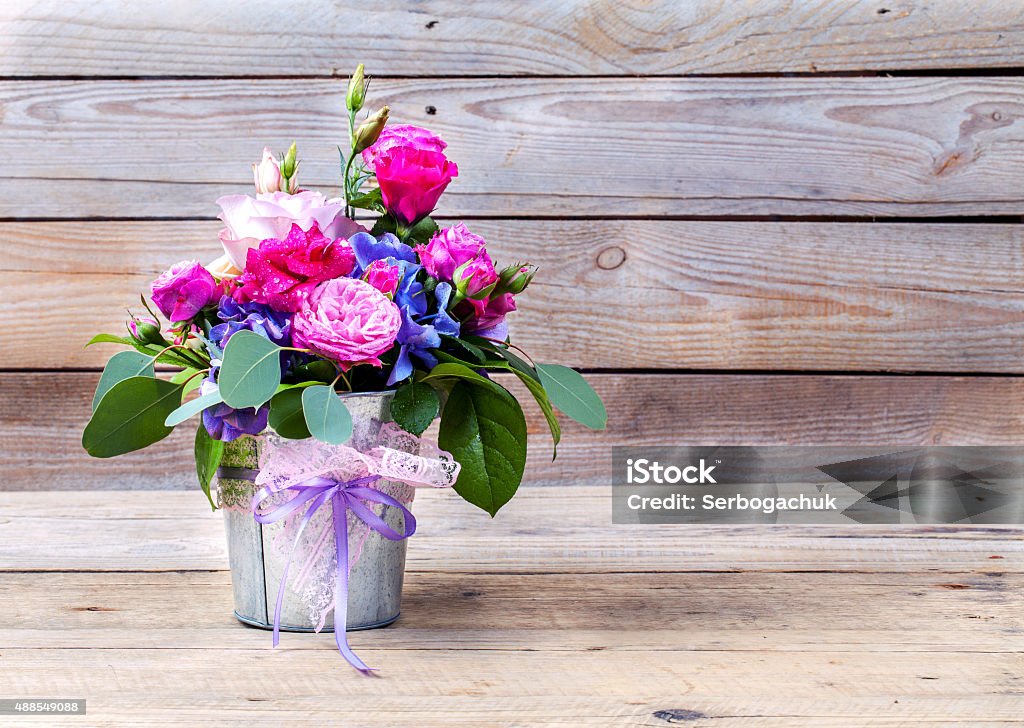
x=375 y=581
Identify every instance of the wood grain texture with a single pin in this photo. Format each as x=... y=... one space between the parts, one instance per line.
x=42 y=416
x=619 y=294
x=722 y=146
x=447 y=38
x=573 y=622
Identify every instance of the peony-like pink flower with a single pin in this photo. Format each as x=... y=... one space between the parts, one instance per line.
x=412 y=180
x=182 y=291
x=282 y=273
x=402 y=135
x=450 y=248
x=271 y=215
x=348 y=321
x=384 y=276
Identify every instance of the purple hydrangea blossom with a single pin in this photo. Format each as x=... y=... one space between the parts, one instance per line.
x=256 y=317
x=226 y=423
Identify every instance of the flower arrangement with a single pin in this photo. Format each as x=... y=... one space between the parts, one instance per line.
x=307 y=304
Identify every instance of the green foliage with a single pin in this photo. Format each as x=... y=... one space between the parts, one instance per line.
x=415 y=406
x=122 y=365
x=251 y=370
x=485 y=431
x=456 y=370
x=208 y=456
x=571 y=394
x=370 y=200
x=193 y=407
x=286 y=416
x=326 y=417
x=130 y=416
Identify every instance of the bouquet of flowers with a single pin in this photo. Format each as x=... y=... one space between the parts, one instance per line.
x=307 y=304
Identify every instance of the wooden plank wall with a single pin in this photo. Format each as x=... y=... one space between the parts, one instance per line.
x=772 y=222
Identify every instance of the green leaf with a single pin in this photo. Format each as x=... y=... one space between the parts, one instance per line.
x=415 y=406
x=190 y=378
x=193 y=407
x=286 y=415
x=569 y=392
x=541 y=397
x=468 y=351
x=122 y=365
x=319 y=370
x=485 y=431
x=421 y=232
x=384 y=224
x=110 y=339
x=370 y=200
x=251 y=370
x=459 y=371
x=131 y=416
x=208 y=455
x=326 y=417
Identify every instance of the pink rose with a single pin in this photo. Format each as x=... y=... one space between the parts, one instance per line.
x=411 y=181
x=267 y=174
x=383 y=276
x=282 y=273
x=403 y=135
x=184 y=290
x=490 y=316
x=271 y=215
x=348 y=321
x=450 y=248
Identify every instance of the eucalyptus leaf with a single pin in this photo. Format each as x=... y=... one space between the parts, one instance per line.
x=570 y=393
x=415 y=406
x=193 y=407
x=286 y=415
x=121 y=366
x=208 y=452
x=485 y=431
x=130 y=416
x=326 y=417
x=251 y=370
x=190 y=378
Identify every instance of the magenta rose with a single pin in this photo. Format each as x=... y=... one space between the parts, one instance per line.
x=184 y=290
x=450 y=248
x=411 y=181
x=403 y=135
x=490 y=316
x=282 y=273
x=383 y=276
x=247 y=220
x=348 y=321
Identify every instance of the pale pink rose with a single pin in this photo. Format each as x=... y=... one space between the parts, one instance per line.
x=249 y=221
x=267 y=174
x=348 y=321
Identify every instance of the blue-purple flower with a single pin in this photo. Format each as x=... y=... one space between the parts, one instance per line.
x=226 y=423
x=256 y=317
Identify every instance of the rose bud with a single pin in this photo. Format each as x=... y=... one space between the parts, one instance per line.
x=289 y=168
x=514 y=279
x=356 y=90
x=146 y=331
x=267 y=174
x=367 y=132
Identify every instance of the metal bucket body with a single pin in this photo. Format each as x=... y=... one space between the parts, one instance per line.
x=375 y=580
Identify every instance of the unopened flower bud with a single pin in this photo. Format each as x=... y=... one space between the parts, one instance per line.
x=146 y=331
x=514 y=279
x=356 y=90
x=368 y=132
x=289 y=168
x=267 y=174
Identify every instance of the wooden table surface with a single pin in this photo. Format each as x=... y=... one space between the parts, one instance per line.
x=548 y=615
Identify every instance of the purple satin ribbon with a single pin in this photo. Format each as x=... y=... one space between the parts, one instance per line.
x=344 y=497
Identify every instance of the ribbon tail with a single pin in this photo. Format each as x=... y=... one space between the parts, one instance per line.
x=306 y=517
x=340 y=507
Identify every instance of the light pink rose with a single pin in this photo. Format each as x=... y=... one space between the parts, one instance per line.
x=267 y=174
x=249 y=221
x=348 y=321
x=450 y=248
x=402 y=135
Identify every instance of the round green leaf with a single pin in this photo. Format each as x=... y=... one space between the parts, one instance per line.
x=326 y=417
x=286 y=415
x=121 y=366
x=193 y=407
x=569 y=392
x=251 y=370
x=414 y=407
x=485 y=431
x=131 y=416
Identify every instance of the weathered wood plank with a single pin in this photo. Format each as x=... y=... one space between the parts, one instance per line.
x=540 y=531
x=619 y=612
x=619 y=294
x=722 y=146
x=482 y=38
x=42 y=416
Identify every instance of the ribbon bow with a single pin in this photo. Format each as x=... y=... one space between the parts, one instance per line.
x=344 y=497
